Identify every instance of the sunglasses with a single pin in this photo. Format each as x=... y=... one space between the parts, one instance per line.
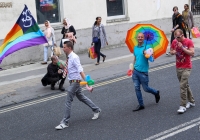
x=178 y=37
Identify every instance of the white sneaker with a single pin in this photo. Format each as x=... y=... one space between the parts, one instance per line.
x=61 y=126
x=189 y=104
x=181 y=109
x=96 y=115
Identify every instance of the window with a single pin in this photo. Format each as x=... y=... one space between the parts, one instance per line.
x=115 y=8
x=195 y=7
x=47 y=10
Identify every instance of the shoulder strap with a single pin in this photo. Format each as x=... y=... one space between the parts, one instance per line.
x=178 y=15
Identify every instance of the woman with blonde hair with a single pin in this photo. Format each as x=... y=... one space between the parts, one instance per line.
x=188 y=18
x=50 y=36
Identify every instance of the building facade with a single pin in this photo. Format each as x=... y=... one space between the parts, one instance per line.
x=117 y=15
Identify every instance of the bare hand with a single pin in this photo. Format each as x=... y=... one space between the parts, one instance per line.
x=179 y=44
x=107 y=43
x=173 y=52
x=172 y=30
x=59 y=71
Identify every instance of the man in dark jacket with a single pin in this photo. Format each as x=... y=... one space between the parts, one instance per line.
x=54 y=74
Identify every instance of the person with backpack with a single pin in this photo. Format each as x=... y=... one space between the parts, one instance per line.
x=188 y=18
x=178 y=23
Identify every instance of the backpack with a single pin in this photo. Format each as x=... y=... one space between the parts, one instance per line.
x=184 y=25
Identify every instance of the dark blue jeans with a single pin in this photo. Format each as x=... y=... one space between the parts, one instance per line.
x=97 y=47
x=140 y=78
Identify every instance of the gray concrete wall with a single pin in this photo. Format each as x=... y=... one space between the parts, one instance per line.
x=115 y=33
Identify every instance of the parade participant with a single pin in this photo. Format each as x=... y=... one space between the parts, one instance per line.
x=75 y=73
x=140 y=73
x=54 y=74
x=183 y=48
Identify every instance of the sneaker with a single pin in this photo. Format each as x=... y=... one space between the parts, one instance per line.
x=189 y=104
x=96 y=115
x=181 y=109
x=61 y=126
x=168 y=53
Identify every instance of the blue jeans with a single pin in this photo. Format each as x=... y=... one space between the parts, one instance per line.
x=141 y=78
x=46 y=52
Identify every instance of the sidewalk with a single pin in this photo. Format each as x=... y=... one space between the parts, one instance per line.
x=24 y=83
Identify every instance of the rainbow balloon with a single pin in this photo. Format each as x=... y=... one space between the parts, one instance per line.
x=154 y=37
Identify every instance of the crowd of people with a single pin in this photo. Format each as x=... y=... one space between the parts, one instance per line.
x=181 y=46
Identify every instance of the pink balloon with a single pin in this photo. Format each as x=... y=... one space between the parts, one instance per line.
x=89 y=88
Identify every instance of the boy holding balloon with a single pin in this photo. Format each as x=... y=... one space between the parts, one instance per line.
x=75 y=73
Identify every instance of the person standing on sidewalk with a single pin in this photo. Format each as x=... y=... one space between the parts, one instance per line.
x=67 y=28
x=74 y=72
x=183 y=48
x=188 y=18
x=99 y=38
x=140 y=74
x=50 y=36
x=177 y=20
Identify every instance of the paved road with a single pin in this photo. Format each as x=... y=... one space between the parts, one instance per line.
x=117 y=121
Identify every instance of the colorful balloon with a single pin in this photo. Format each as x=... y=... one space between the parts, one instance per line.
x=131 y=66
x=151 y=59
x=87 y=78
x=90 y=82
x=83 y=83
x=129 y=73
x=148 y=52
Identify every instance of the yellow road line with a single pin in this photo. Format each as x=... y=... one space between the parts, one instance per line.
x=96 y=85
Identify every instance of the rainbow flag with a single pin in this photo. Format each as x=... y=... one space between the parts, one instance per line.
x=25 y=33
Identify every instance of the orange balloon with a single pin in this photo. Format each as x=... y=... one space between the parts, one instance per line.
x=147 y=55
x=83 y=83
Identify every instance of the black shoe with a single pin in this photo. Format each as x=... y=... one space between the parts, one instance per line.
x=62 y=89
x=139 y=108
x=157 y=97
x=52 y=88
x=104 y=58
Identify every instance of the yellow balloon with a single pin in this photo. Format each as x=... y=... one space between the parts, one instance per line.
x=147 y=55
x=83 y=83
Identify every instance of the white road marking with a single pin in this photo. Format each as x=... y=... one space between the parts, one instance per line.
x=178 y=131
x=172 y=130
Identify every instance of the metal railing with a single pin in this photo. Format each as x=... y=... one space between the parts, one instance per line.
x=195 y=7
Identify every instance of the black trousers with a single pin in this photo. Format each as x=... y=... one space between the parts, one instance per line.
x=97 y=47
x=172 y=36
